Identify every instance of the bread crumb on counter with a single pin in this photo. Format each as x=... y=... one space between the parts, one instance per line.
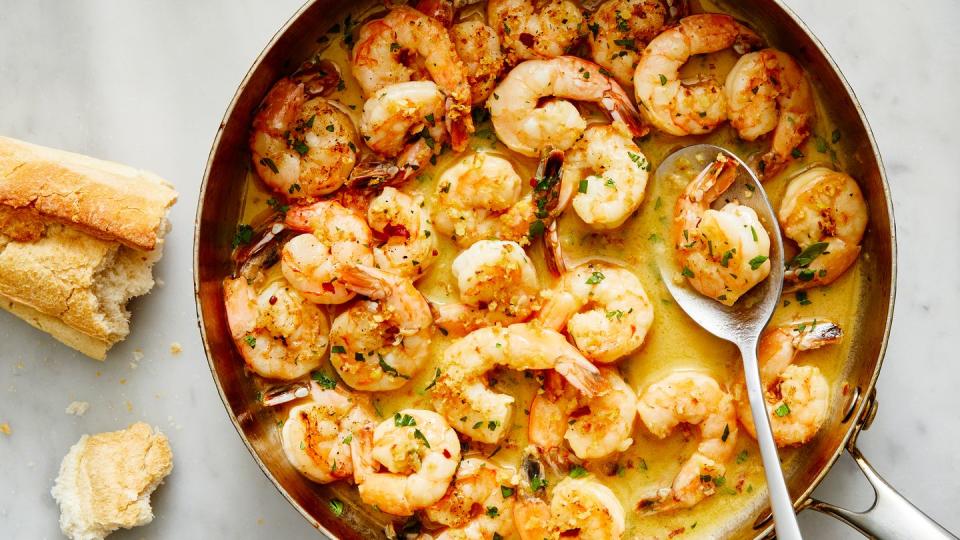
x=106 y=480
x=176 y=348
x=77 y=408
x=5 y=429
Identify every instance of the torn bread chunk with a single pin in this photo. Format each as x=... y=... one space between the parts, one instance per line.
x=78 y=239
x=106 y=480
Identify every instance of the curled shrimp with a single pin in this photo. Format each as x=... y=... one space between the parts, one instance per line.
x=498 y=285
x=302 y=145
x=316 y=435
x=481 y=197
x=312 y=263
x=396 y=113
x=594 y=428
x=768 y=91
x=380 y=344
x=407 y=245
x=529 y=126
x=610 y=174
x=406 y=463
x=407 y=45
x=621 y=29
x=603 y=307
x=725 y=252
x=823 y=211
x=463 y=395
x=798 y=397
x=579 y=508
x=532 y=29
x=670 y=104
x=479 y=47
x=279 y=334
x=694 y=399
x=478 y=504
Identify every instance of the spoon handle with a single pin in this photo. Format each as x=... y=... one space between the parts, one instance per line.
x=785 y=519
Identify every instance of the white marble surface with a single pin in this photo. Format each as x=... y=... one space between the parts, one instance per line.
x=146 y=83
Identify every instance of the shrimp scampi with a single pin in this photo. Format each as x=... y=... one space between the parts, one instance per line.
x=603 y=307
x=529 y=123
x=406 y=463
x=695 y=399
x=798 y=397
x=379 y=344
x=477 y=505
x=824 y=212
x=302 y=145
x=530 y=29
x=406 y=244
x=768 y=91
x=316 y=435
x=621 y=29
x=279 y=334
x=479 y=48
x=463 y=395
x=675 y=106
x=497 y=283
x=337 y=237
x=723 y=253
x=581 y=508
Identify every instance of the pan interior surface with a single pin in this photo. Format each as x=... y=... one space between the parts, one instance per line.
x=861 y=300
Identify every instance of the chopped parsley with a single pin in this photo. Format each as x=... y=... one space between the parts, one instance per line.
x=390 y=370
x=506 y=491
x=807 y=256
x=742 y=456
x=782 y=410
x=418 y=435
x=582 y=188
x=250 y=341
x=268 y=163
x=243 y=235
x=338 y=349
x=595 y=278
x=324 y=380
x=726 y=433
x=336 y=506
x=757 y=261
x=578 y=472
x=403 y=420
x=436 y=375
x=663 y=80
x=687 y=272
x=493 y=511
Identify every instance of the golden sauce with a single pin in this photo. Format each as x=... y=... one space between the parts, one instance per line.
x=673 y=343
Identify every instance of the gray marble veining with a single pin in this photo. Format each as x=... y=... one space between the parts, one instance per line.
x=146 y=83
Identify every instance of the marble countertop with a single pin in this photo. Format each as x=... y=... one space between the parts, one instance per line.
x=146 y=83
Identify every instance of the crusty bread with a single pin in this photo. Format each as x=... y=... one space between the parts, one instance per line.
x=78 y=239
x=106 y=480
x=104 y=199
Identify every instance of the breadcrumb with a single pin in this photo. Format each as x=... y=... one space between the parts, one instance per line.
x=77 y=408
x=176 y=348
x=5 y=429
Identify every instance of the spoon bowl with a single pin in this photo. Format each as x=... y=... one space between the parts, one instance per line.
x=742 y=322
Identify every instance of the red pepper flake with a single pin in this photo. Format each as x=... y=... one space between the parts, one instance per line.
x=675 y=532
x=396 y=230
x=446 y=453
x=527 y=39
x=328 y=287
x=273 y=300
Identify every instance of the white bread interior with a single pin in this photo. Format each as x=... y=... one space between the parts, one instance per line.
x=106 y=480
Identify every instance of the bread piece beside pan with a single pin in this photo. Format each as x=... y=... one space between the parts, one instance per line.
x=78 y=239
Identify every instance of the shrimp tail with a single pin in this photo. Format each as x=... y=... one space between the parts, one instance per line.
x=459 y=123
x=623 y=112
x=367 y=280
x=713 y=180
x=318 y=77
x=553 y=250
x=819 y=333
x=583 y=375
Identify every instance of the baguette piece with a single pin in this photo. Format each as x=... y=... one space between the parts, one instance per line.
x=78 y=239
x=106 y=480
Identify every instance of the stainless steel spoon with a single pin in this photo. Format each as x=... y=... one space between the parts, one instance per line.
x=743 y=322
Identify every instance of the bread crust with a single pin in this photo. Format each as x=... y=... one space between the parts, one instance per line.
x=106 y=480
x=104 y=199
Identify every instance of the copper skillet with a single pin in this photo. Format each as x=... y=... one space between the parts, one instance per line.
x=891 y=516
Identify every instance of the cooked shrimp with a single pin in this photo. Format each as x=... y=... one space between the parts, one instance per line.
x=594 y=428
x=302 y=146
x=670 y=104
x=312 y=263
x=408 y=246
x=479 y=47
x=278 y=333
x=526 y=127
x=725 y=252
x=498 y=285
x=621 y=29
x=379 y=345
x=407 y=45
x=532 y=29
x=823 y=211
x=580 y=508
x=316 y=435
x=604 y=309
x=476 y=505
x=610 y=175
x=462 y=393
x=419 y=453
x=798 y=397
x=479 y=197
x=695 y=399
x=400 y=112
x=768 y=91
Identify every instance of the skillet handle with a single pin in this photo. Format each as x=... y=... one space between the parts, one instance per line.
x=890 y=517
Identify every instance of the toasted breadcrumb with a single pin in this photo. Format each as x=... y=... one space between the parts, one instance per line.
x=176 y=348
x=5 y=429
x=77 y=408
